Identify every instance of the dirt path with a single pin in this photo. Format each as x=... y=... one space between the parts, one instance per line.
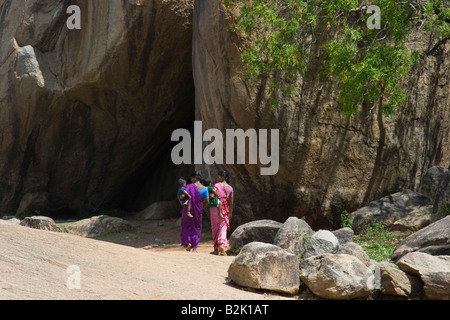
x=34 y=265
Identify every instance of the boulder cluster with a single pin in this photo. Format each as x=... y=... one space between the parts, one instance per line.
x=289 y=257
x=286 y=257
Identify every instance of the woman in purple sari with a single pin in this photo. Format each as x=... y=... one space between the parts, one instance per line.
x=191 y=227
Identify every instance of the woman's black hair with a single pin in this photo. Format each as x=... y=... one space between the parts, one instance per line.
x=224 y=174
x=206 y=182
x=196 y=175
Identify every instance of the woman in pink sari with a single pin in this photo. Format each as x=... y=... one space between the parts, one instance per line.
x=220 y=221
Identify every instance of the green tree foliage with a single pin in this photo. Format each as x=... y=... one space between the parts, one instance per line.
x=372 y=65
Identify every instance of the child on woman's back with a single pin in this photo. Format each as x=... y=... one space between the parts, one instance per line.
x=183 y=196
x=213 y=198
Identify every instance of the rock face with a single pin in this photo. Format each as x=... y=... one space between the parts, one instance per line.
x=86 y=113
x=33 y=201
x=436 y=185
x=160 y=210
x=431 y=180
x=327 y=163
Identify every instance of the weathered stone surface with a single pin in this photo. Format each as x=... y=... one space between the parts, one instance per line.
x=398 y=283
x=266 y=266
x=11 y=219
x=433 y=270
x=344 y=235
x=33 y=201
x=336 y=276
x=98 y=226
x=327 y=163
x=441 y=201
x=322 y=241
x=431 y=179
x=87 y=115
x=436 y=185
x=259 y=230
x=160 y=210
x=355 y=250
x=433 y=239
x=40 y=222
x=293 y=236
x=388 y=209
x=413 y=221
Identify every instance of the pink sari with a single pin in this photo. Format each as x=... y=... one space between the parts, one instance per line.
x=219 y=225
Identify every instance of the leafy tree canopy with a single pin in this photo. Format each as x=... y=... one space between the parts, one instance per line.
x=367 y=55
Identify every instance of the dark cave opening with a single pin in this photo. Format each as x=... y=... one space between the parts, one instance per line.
x=156 y=179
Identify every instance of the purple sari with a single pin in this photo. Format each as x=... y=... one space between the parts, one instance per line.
x=191 y=228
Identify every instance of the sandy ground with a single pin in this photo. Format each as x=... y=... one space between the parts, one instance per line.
x=147 y=264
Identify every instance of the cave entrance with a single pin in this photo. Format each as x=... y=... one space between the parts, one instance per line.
x=156 y=179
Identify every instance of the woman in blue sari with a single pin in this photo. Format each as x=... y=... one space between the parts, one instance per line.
x=191 y=227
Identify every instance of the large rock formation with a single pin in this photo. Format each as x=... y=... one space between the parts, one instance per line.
x=86 y=115
x=327 y=163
